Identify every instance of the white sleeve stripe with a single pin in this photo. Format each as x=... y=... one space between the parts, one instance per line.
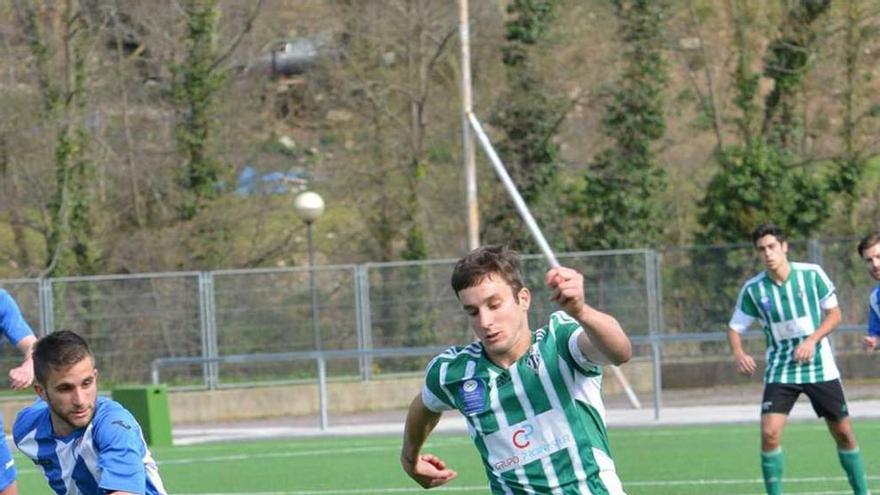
x=582 y=360
x=829 y=302
x=444 y=367
x=740 y=321
x=874 y=302
x=432 y=402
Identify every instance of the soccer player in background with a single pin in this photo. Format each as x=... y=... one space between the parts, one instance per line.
x=82 y=443
x=797 y=307
x=19 y=333
x=869 y=250
x=532 y=400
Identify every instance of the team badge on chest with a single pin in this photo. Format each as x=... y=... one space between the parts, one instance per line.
x=534 y=359
x=473 y=396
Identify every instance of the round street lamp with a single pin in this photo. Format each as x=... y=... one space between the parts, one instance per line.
x=309 y=206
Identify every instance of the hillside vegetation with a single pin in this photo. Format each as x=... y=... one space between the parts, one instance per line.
x=125 y=127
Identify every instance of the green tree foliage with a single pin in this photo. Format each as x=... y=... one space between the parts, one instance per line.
x=617 y=205
x=197 y=82
x=762 y=178
x=851 y=164
x=528 y=116
x=69 y=241
x=757 y=184
x=787 y=60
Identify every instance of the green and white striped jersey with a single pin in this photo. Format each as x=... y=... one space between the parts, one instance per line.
x=789 y=312
x=538 y=425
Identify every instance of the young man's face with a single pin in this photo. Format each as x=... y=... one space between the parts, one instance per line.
x=872 y=260
x=497 y=317
x=773 y=253
x=71 y=394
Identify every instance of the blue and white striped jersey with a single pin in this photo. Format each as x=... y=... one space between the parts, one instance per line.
x=874 y=312
x=108 y=455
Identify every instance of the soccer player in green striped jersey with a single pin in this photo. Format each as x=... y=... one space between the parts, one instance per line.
x=532 y=400
x=797 y=307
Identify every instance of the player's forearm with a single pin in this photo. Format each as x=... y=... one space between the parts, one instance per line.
x=734 y=339
x=420 y=422
x=605 y=334
x=830 y=321
x=26 y=346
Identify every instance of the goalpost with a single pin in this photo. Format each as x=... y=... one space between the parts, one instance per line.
x=470 y=123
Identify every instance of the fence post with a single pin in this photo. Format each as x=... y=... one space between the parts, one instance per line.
x=208 y=323
x=322 y=390
x=365 y=326
x=655 y=323
x=47 y=311
x=814 y=251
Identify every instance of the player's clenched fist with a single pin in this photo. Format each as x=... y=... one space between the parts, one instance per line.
x=567 y=288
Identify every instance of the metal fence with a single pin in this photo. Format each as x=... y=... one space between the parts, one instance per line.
x=674 y=303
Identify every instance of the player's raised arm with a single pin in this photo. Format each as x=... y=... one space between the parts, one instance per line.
x=602 y=332
x=427 y=470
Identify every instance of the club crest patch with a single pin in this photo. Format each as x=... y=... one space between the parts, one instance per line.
x=473 y=396
x=766 y=304
x=534 y=359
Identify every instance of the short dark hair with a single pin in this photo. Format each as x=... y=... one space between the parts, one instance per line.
x=868 y=241
x=58 y=350
x=485 y=261
x=768 y=229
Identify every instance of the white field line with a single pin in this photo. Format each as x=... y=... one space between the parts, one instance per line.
x=482 y=488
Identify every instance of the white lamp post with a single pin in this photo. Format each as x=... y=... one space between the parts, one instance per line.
x=309 y=206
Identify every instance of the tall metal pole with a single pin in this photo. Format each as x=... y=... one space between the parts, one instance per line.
x=470 y=167
x=316 y=332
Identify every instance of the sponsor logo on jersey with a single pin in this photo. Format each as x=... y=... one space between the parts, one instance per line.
x=520 y=437
x=473 y=396
x=527 y=441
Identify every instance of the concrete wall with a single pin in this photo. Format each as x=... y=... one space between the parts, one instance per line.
x=344 y=397
x=384 y=394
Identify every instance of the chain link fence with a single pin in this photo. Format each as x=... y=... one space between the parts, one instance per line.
x=237 y=326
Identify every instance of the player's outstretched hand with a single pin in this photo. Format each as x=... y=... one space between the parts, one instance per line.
x=567 y=288
x=429 y=471
x=22 y=376
x=805 y=351
x=869 y=343
x=745 y=365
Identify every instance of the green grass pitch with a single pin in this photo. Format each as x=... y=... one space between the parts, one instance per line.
x=718 y=459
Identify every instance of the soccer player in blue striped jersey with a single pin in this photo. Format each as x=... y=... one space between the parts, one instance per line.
x=83 y=444
x=19 y=333
x=532 y=400
x=797 y=307
x=869 y=250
